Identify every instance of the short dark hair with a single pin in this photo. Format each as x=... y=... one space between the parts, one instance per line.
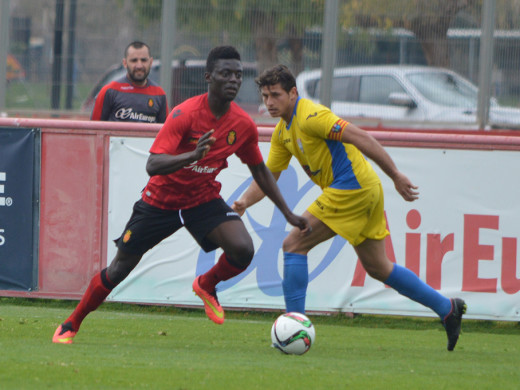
x=221 y=53
x=137 y=45
x=274 y=75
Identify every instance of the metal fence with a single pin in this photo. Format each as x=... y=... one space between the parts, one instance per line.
x=58 y=50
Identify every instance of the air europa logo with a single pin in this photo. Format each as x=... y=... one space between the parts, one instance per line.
x=129 y=114
x=4 y=201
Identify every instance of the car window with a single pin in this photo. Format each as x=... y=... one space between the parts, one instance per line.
x=377 y=89
x=344 y=89
x=311 y=88
x=444 y=89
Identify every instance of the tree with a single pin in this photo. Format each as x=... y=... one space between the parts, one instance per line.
x=429 y=20
x=263 y=21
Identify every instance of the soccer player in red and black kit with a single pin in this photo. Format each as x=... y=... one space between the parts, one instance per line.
x=186 y=156
x=134 y=97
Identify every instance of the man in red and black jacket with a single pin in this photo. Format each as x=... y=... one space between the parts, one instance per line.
x=132 y=98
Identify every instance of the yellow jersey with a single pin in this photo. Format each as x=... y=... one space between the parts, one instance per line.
x=313 y=136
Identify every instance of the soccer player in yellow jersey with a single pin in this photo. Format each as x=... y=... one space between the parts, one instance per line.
x=331 y=151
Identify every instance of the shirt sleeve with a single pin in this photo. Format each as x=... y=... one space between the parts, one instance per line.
x=279 y=156
x=163 y=113
x=325 y=125
x=170 y=135
x=97 y=111
x=249 y=153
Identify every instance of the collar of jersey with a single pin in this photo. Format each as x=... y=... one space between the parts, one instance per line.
x=288 y=125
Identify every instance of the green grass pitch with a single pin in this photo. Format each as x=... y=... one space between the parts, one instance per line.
x=135 y=347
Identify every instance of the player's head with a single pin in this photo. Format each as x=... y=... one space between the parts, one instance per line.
x=138 y=62
x=221 y=53
x=278 y=74
x=223 y=73
x=277 y=86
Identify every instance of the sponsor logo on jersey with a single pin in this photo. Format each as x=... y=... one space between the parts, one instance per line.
x=150 y=102
x=311 y=116
x=176 y=113
x=300 y=145
x=201 y=169
x=129 y=114
x=231 y=137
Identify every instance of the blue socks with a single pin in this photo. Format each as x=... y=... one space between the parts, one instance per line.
x=406 y=283
x=401 y=279
x=295 y=281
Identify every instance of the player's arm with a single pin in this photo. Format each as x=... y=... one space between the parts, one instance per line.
x=164 y=164
x=371 y=148
x=251 y=196
x=267 y=185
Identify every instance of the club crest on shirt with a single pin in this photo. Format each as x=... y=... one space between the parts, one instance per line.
x=150 y=102
x=127 y=235
x=231 y=137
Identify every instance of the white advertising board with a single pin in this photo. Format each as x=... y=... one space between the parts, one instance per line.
x=461 y=237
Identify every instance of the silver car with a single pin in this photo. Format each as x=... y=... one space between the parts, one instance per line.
x=413 y=96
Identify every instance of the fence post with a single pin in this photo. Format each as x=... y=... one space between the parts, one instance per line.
x=328 y=54
x=485 y=62
x=4 y=47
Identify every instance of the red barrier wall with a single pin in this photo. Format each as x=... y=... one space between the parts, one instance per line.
x=74 y=183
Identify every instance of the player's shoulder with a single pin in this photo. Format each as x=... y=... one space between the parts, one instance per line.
x=307 y=109
x=120 y=84
x=239 y=113
x=154 y=88
x=190 y=109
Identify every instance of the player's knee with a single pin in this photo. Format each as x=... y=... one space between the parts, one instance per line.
x=292 y=245
x=376 y=272
x=241 y=256
x=121 y=266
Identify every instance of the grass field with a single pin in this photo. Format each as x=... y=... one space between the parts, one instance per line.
x=135 y=347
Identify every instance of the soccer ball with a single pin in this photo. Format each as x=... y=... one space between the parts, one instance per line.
x=293 y=333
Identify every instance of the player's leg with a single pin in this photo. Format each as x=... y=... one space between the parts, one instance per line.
x=145 y=229
x=370 y=247
x=215 y=225
x=295 y=271
x=100 y=286
x=373 y=257
x=235 y=241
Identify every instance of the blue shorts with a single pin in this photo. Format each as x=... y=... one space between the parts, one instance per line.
x=149 y=225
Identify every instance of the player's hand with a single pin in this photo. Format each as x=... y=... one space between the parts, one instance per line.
x=239 y=206
x=300 y=222
x=204 y=144
x=406 y=189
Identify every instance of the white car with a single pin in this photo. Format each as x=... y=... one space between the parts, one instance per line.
x=416 y=96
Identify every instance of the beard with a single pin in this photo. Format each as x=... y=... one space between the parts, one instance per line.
x=138 y=76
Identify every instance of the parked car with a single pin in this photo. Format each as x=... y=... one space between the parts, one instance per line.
x=187 y=81
x=420 y=95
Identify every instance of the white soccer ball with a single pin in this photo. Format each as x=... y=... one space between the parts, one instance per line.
x=293 y=333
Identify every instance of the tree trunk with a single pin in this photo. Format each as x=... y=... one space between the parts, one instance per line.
x=264 y=32
x=430 y=25
x=295 y=41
